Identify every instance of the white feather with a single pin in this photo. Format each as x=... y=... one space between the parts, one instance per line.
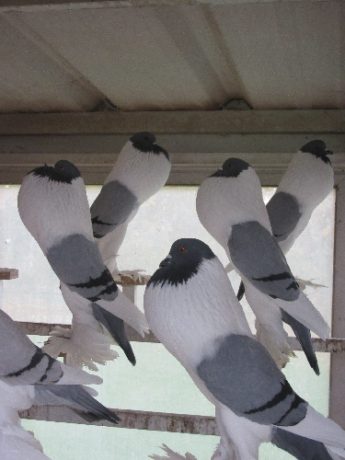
x=222 y=203
x=164 y=305
x=316 y=426
x=87 y=342
x=305 y=312
x=73 y=376
x=18 y=444
x=142 y=173
x=172 y=455
x=245 y=435
x=224 y=453
x=301 y=309
x=110 y=244
x=53 y=210
x=81 y=345
x=15 y=442
x=309 y=180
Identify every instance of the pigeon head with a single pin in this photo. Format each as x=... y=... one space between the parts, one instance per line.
x=63 y=171
x=232 y=167
x=146 y=142
x=317 y=148
x=182 y=263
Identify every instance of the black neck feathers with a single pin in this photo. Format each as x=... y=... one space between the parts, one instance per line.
x=63 y=171
x=146 y=142
x=317 y=148
x=232 y=167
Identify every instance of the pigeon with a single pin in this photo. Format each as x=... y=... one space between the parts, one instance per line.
x=230 y=206
x=53 y=206
x=22 y=364
x=189 y=304
x=141 y=170
x=306 y=183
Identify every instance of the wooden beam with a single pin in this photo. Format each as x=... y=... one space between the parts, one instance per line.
x=39 y=5
x=8 y=273
x=198 y=141
x=175 y=122
x=333 y=345
x=138 y=420
x=337 y=379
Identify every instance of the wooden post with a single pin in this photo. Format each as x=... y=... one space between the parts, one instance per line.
x=337 y=377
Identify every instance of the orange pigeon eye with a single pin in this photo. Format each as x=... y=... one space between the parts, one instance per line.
x=183 y=249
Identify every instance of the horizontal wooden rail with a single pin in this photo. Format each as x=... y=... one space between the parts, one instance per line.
x=175 y=122
x=332 y=345
x=8 y=273
x=139 y=420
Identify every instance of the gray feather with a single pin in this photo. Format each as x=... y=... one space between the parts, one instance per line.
x=111 y=208
x=243 y=376
x=257 y=255
x=78 y=263
x=116 y=328
x=21 y=362
x=303 y=335
x=298 y=446
x=74 y=396
x=284 y=214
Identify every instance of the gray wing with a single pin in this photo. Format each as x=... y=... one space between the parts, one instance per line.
x=243 y=376
x=74 y=396
x=21 y=362
x=257 y=255
x=284 y=214
x=111 y=208
x=78 y=264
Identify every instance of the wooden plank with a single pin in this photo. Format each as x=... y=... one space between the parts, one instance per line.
x=8 y=273
x=332 y=345
x=193 y=156
x=43 y=5
x=337 y=379
x=139 y=420
x=173 y=122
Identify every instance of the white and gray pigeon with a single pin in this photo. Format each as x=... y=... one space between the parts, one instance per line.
x=230 y=206
x=190 y=305
x=53 y=206
x=47 y=381
x=307 y=182
x=141 y=170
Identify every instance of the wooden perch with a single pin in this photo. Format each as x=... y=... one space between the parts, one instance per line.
x=8 y=273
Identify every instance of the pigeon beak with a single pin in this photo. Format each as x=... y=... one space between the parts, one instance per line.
x=166 y=262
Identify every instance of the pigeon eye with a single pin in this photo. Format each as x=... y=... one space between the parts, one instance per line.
x=183 y=249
